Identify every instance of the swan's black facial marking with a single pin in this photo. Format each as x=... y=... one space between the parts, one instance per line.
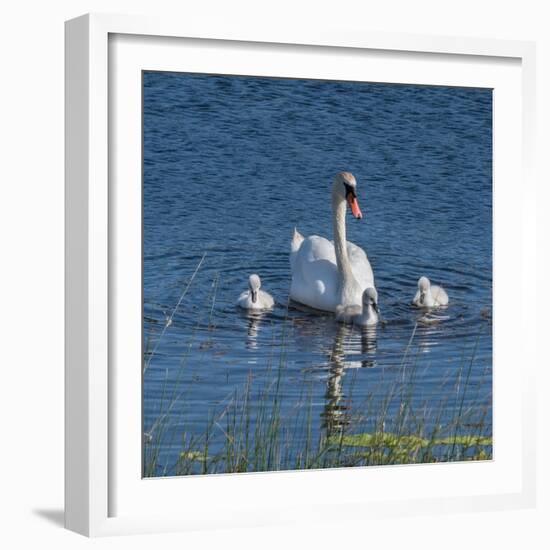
x=254 y=294
x=350 y=190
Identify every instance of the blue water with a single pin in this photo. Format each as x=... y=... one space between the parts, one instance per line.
x=232 y=164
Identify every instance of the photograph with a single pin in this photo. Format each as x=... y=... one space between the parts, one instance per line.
x=317 y=274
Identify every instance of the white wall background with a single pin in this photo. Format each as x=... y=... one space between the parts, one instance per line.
x=31 y=268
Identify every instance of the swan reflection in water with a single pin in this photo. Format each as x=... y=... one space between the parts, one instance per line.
x=347 y=343
x=253 y=322
x=428 y=331
x=368 y=346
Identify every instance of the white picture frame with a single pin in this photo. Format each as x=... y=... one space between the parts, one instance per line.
x=103 y=53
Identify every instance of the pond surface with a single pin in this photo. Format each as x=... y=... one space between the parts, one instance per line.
x=231 y=166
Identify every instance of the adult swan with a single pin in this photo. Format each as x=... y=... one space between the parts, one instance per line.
x=327 y=275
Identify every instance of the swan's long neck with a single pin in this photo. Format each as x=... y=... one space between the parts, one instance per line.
x=340 y=248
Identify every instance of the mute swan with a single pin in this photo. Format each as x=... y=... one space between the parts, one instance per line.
x=363 y=316
x=429 y=295
x=327 y=274
x=254 y=298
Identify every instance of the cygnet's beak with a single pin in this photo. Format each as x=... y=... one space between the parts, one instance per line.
x=375 y=306
x=254 y=294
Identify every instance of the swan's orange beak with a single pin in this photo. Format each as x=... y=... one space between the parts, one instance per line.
x=354 y=205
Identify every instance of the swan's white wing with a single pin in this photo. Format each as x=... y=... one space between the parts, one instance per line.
x=243 y=300
x=360 y=266
x=317 y=248
x=265 y=300
x=295 y=244
x=314 y=274
x=440 y=296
